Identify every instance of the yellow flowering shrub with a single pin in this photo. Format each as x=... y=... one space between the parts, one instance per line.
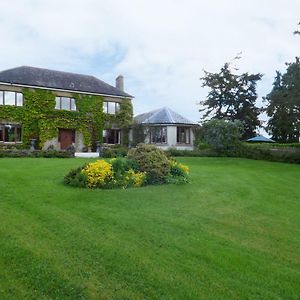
x=122 y=173
x=176 y=165
x=135 y=179
x=98 y=173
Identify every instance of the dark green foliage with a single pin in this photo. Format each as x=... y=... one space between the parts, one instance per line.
x=121 y=165
x=114 y=151
x=151 y=160
x=222 y=135
x=76 y=178
x=36 y=153
x=139 y=133
x=232 y=97
x=283 y=105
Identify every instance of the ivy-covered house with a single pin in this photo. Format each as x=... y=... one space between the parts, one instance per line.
x=60 y=109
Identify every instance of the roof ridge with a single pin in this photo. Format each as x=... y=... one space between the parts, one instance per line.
x=168 y=111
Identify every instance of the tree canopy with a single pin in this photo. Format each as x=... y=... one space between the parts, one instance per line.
x=283 y=105
x=232 y=97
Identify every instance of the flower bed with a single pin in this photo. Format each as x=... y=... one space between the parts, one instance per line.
x=144 y=165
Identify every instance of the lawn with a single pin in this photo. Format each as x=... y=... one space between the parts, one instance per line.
x=232 y=233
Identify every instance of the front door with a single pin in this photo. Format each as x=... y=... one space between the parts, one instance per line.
x=66 y=138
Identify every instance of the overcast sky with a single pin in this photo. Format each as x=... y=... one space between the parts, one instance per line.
x=160 y=46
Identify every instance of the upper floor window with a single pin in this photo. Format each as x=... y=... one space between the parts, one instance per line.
x=11 y=98
x=183 y=135
x=111 y=107
x=65 y=103
x=158 y=134
x=10 y=133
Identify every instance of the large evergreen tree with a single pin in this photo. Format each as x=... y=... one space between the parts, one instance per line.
x=283 y=107
x=232 y=97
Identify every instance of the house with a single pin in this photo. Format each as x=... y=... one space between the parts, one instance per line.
x=60 y=109
x=167 y=129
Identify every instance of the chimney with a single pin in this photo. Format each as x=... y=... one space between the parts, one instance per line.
x=120 y=83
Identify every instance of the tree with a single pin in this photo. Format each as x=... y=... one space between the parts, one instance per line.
x=222 y=134
x=232 y=97
x=297 y=31
x=283 y=108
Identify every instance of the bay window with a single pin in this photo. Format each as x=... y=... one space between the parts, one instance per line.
x=158 y=135
x=183 y=135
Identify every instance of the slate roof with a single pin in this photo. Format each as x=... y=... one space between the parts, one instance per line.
x=260 y=138
x=46 y=78
x=162 y=116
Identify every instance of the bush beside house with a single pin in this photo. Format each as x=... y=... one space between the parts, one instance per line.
x=143 y=165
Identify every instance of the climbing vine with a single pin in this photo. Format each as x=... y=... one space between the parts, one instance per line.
x=41 y=121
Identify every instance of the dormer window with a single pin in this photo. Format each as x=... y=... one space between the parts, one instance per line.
x=111 y=108
x=65 y=103
x=11 y=98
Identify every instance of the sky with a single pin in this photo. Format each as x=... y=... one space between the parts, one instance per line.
x=160 y=47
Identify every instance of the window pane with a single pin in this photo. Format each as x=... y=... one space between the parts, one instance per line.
x=187 y=135
x=1 y=98
x=111 y=108
x=73 y=104
x=19 y=99
x=9 y=133
x=117 y=107
x=112 y=136
x=159 y=135
x=57 y=103
x=163 y=134
x=9 y=98
x=18 y=134
x=105 y=107
x=65 y=103
x=1 y=133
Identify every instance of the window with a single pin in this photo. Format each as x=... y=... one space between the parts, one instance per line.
x=65 y=103
x=158 y=134
x=112 y=136
x=10 y=133
x=11 y=98
x=183 y=135
x=111 y=108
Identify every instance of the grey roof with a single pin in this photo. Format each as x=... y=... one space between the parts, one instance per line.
x=46 y=78
x=260 y=138
x=162 y=116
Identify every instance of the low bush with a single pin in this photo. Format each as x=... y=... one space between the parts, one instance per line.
x=151 y=160
x=36 y=153
x=114 y=151
x=116 y=173
x=128 y=172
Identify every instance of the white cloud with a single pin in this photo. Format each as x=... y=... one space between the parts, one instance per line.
x=165 y=44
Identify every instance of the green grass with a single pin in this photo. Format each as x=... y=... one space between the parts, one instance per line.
x=233 y=233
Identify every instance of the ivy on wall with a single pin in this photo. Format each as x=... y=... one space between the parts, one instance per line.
x=41 y=121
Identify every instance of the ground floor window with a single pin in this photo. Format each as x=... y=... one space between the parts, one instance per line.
x=10 y=133
x=158 y=135
x=183 y=135
x=112 y=136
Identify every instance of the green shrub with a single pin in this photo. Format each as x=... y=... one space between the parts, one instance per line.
x=151 y=160
x=36 y=153
x=116 y=173
x=76 y=178
x=221 y=134
x=114 y=151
